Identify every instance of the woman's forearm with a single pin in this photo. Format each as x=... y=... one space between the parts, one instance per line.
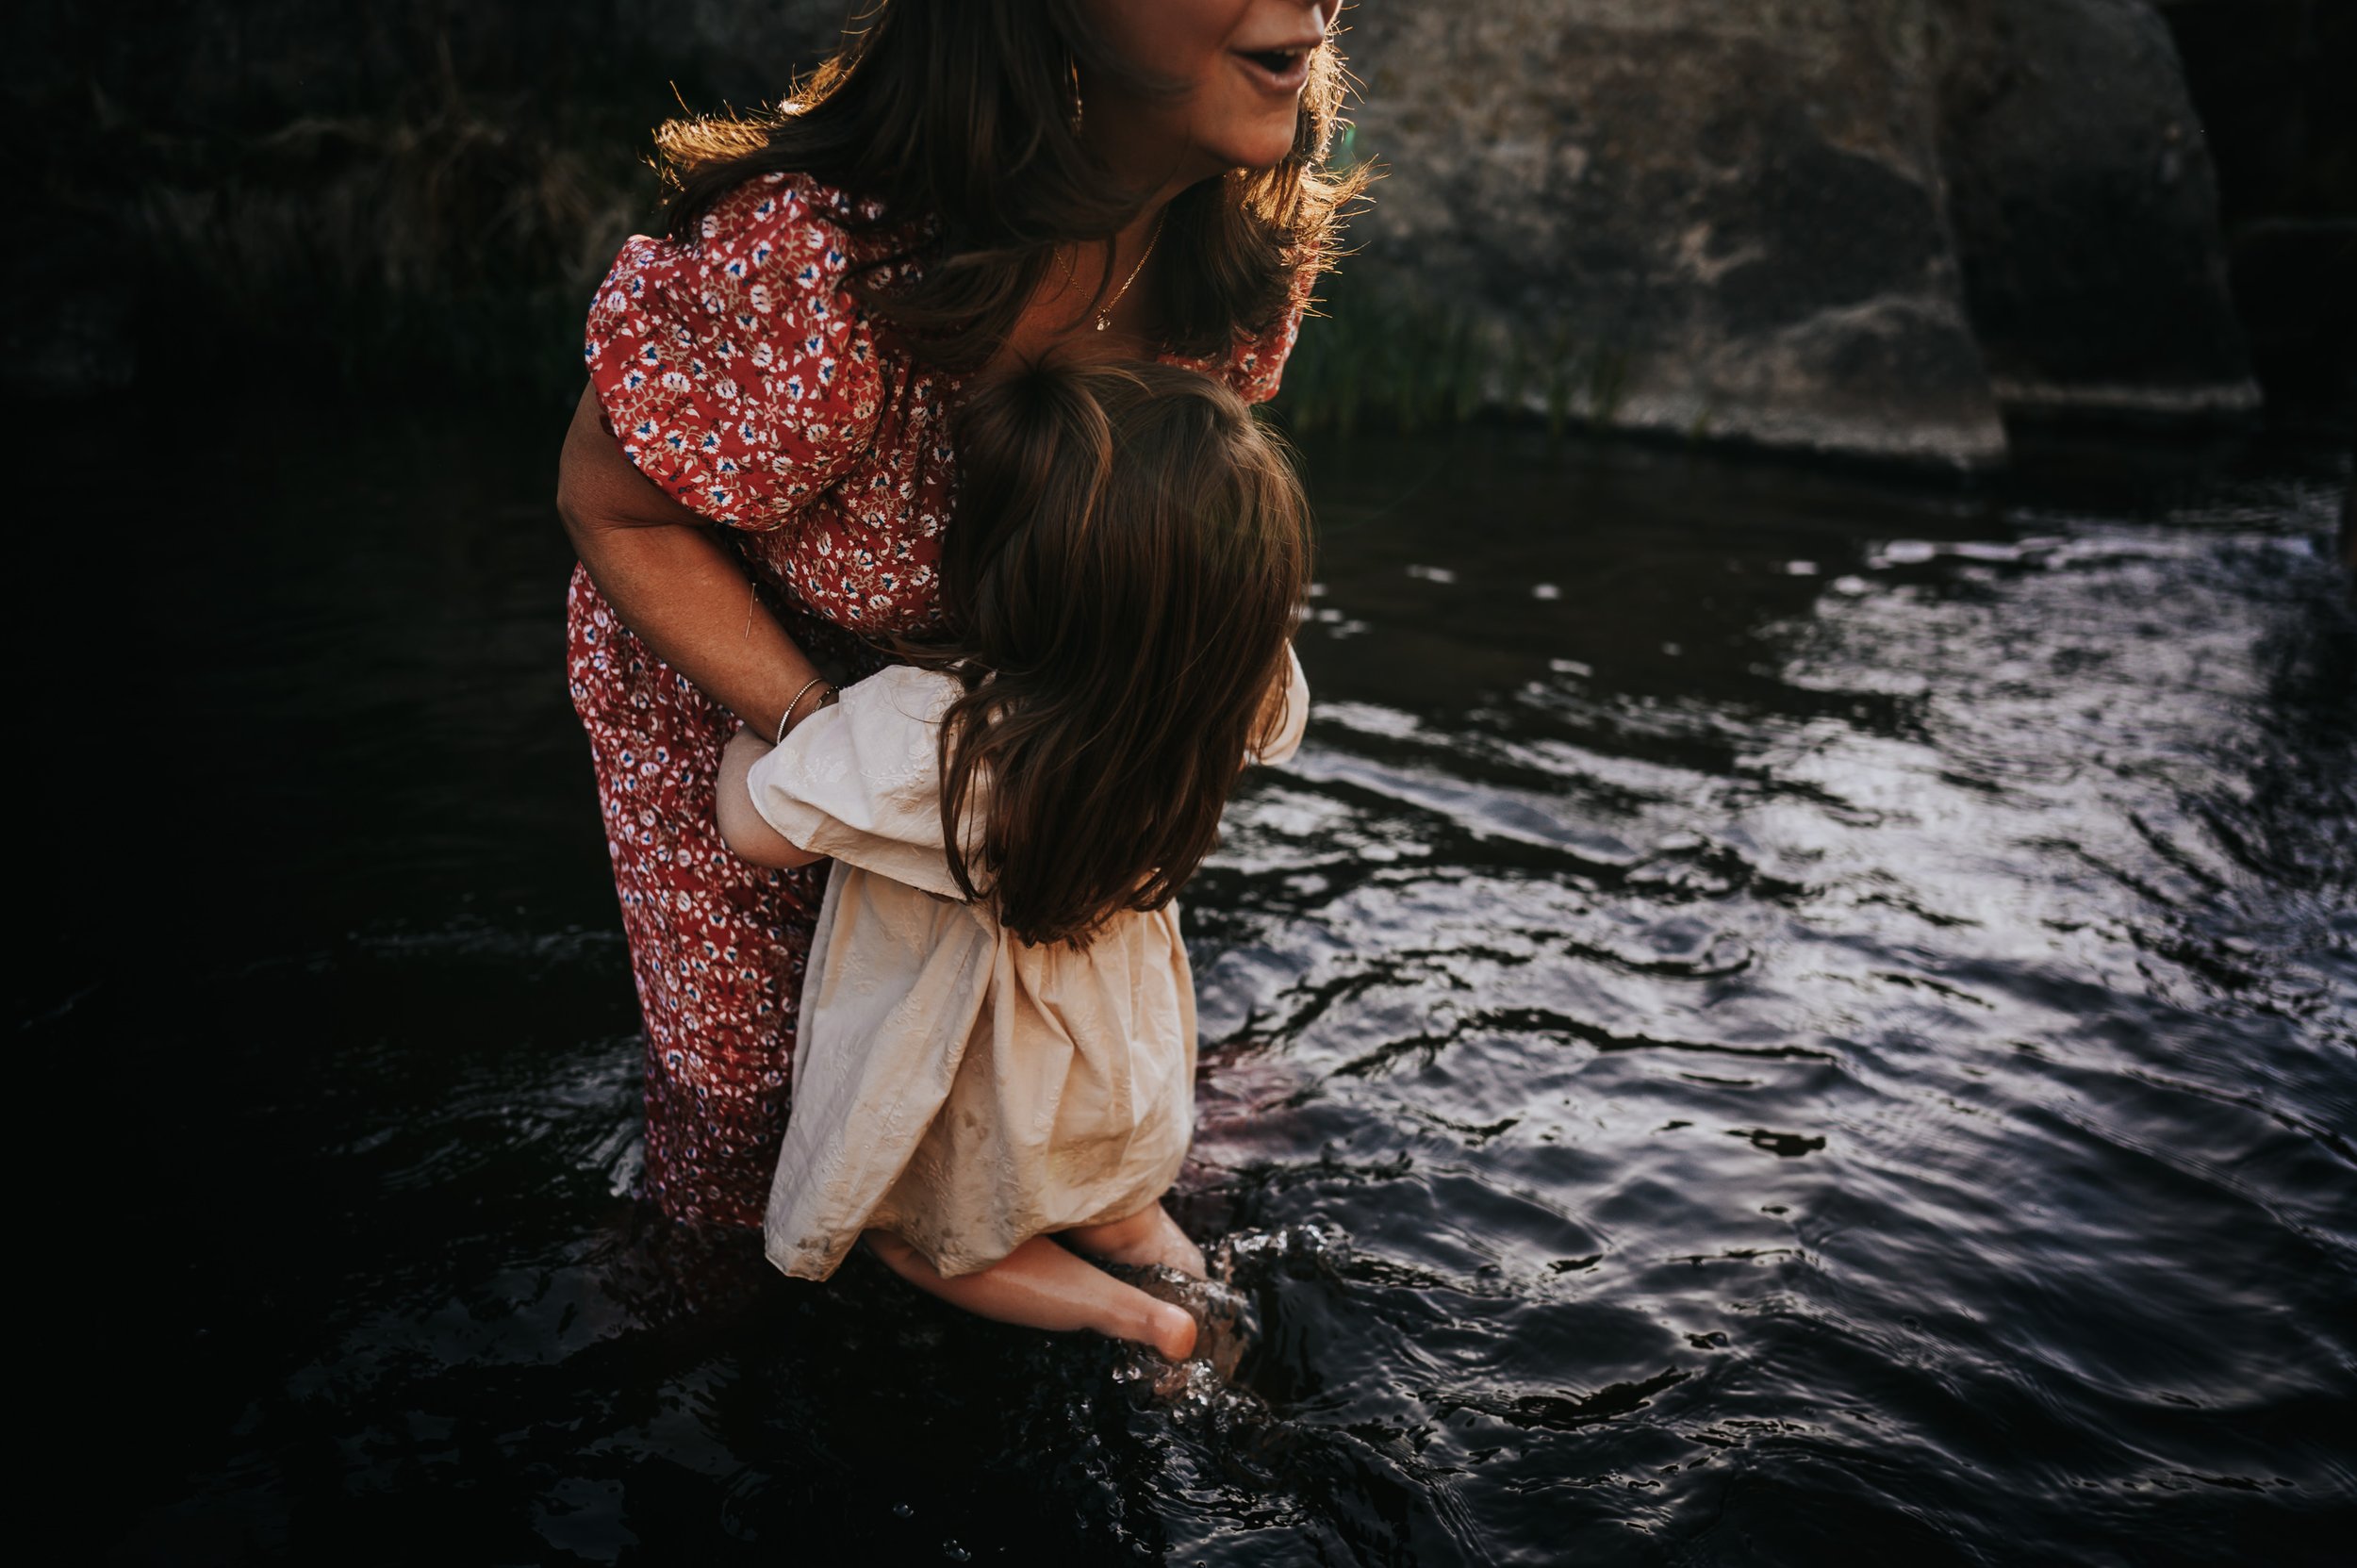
x=675 y=585
x=688 y=600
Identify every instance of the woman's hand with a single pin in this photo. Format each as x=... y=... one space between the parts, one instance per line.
x=677 y=586
x=742 y=827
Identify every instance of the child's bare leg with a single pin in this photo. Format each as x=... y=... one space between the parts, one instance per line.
x=1149 y=1247
x=1040 y=1285
x=1149 y=1236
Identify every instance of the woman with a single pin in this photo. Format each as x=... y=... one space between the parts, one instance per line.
x=760 y=471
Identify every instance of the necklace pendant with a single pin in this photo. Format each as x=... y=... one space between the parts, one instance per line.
x=1103 y=322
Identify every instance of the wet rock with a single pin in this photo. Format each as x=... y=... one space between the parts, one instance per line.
x=2085 y=209
x=1717 y=217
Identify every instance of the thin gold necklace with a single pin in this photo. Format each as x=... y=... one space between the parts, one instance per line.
x=1105 y=316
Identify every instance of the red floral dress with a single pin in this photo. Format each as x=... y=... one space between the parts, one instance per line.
x=739 y=374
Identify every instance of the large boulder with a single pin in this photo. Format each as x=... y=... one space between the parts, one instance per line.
x=2270 y=79
x=2085 y=211
x=1856 y=226
x=1720 y=216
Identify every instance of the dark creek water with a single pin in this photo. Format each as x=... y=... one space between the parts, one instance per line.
x=1777 y=1019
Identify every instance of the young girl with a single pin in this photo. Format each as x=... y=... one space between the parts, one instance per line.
x=998 y=1027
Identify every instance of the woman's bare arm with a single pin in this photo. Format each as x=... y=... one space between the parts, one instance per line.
x=742 y=827
x=671 y=581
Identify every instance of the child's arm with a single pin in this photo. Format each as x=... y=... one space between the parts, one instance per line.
x=742 y=828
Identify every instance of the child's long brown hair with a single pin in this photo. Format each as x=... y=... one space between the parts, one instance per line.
x=1131 y=553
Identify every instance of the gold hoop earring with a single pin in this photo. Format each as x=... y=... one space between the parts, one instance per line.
x=1072 y=74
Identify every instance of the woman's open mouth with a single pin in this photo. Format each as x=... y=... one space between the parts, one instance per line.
x=1282 y=70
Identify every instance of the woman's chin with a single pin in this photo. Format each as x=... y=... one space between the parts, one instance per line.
x=1260 y=150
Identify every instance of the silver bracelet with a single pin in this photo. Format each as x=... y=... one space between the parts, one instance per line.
x=787 y=716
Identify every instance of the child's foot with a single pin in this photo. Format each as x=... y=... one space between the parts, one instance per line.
x=1220 y=1320
x=1171 y=1329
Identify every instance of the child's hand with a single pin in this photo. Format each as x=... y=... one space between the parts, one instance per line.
x=744 y=749
x=742 y=827
x=1284 y=714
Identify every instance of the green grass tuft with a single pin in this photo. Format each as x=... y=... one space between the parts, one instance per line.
x=1386 y=356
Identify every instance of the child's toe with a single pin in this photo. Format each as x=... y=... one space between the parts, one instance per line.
x=1175 y=1331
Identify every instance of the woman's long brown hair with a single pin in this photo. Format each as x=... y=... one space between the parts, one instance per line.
x=958 y=114
x=1131 y=553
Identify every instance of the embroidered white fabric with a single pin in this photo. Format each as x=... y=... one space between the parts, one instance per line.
x=952 y=1084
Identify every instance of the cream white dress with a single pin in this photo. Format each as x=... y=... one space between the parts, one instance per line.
x=953 y=1084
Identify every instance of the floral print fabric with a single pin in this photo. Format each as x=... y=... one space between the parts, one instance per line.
x=739 y=374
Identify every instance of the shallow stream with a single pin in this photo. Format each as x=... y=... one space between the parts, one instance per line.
x=1778 y=1018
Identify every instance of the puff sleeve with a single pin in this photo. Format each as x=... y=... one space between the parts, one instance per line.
x=860 y=781
x=736 y=369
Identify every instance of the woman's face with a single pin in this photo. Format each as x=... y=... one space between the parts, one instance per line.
x=1237 y=68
